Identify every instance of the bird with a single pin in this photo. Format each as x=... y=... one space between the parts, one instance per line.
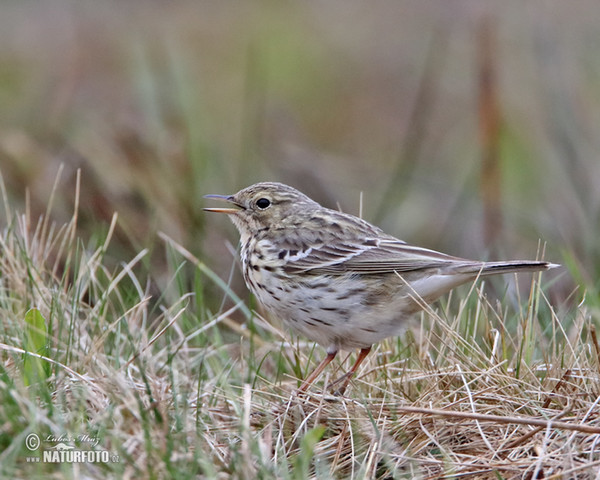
x=335 y=278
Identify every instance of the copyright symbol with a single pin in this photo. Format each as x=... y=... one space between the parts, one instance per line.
x=32 y=441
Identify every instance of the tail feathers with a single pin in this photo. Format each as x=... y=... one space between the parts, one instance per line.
x=428 y=288
x=496 y=268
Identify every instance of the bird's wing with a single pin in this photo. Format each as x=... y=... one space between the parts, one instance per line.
x=367 y=256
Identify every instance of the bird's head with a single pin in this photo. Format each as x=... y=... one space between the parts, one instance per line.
x=263 y=205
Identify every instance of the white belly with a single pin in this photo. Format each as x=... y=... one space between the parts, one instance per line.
x=336 y=311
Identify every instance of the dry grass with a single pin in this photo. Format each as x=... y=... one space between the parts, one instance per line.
x=475 y=392
x=471 y=130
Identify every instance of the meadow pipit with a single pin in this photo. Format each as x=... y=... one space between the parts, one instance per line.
x=335 y=278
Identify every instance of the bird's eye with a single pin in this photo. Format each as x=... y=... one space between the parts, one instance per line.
x=263 y=203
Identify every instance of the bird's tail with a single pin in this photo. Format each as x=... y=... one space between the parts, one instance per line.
x=431 y=287
x=496 y=268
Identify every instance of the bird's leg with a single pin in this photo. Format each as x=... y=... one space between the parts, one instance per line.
x=316 y=372
x=345 y=379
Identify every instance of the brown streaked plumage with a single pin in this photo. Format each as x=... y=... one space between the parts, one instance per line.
x=335 y=278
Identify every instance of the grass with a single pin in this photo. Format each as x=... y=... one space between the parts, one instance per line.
x=124 y=323
x=476 y=390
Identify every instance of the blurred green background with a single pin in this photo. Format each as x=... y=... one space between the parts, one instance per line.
x=470 y=127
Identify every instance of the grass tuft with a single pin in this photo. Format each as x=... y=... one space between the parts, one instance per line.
x=170 y=388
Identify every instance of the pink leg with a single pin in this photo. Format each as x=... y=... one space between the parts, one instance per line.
x=345 y=379
x=316 y=372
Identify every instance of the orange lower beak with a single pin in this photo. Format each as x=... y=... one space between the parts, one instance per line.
x=222 y=210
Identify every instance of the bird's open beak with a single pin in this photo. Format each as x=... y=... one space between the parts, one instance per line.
x=224 y=198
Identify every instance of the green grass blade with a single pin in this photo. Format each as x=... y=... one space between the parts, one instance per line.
x=36 y=341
